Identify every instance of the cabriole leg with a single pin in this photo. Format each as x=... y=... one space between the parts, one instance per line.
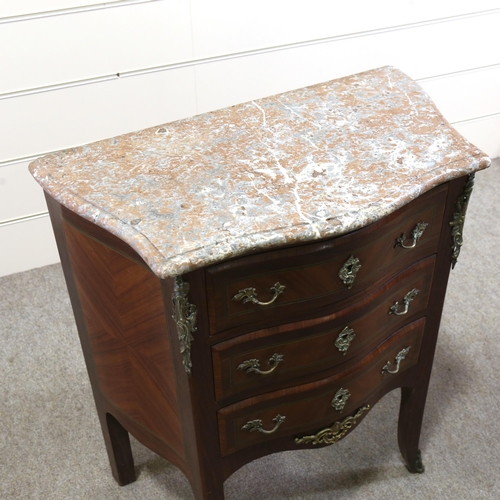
x=410 y=423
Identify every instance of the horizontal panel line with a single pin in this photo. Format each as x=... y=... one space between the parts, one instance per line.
x=476 y=119
x=26 y=218
x=236 y=55
x=461 y=72
x=22 y=159
x=59 y=86
x=72 y=10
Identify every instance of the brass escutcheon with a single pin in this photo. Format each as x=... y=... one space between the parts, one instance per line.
x=340 y=399
x=344 y=339
x=349 y=270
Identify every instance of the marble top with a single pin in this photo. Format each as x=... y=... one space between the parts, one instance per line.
x=300 y=166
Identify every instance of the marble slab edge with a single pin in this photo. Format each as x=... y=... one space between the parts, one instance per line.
x=164 y=267
x=220 y=245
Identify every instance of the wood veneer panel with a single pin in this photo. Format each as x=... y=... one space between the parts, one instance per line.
x=310 y=272
x=101 y=235
x=307 y=407
x=414 y=390
x=116 y=437
x=123 y=308
x=308 y=347
x=129 y=342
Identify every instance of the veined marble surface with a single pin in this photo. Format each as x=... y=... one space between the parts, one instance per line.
x=303 y=165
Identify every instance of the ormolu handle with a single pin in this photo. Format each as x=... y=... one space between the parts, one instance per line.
x=253 y=365
x=416 y=234
x=256 y=425
x=406 y=303
x=399 y=357
x=250 y=295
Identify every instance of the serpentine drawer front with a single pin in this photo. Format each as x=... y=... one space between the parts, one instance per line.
x=306 y=408
x=255 y=279
x=267 y=358
x=236 y=288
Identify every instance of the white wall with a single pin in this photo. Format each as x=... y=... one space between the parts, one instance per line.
x=74 y=71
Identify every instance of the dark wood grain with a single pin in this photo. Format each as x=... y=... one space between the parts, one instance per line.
x=310 y=272
x=308 y=347
x=131 y=346
x=308 y=406
x=115 y=437
x=123 y=310
x=238 y=459
x=101 y=235
x=414 y=392
x=197 y=395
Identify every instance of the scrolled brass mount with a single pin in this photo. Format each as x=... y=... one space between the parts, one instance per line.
x=399 y=357
x=256 y=425
x=416 y=234
x=335 y=433
x=406 y=303
x=457 y=223
x=253 y=365
x=184 y=315
x=250 y=295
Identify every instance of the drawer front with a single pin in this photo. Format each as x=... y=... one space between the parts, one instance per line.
x=307 y=408
x=266 y=359
x=298 y=282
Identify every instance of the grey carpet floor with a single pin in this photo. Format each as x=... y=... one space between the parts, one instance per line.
x=51 y=445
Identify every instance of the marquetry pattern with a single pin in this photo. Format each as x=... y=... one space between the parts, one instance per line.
x=124 y=315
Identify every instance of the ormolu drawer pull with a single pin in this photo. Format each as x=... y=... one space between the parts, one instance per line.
x=349 y=270
x=256 y=425
x=406 y=302
x=344 y=339
x=253 y=365
x=399 y=357
x=250 y=295
x=416 y=234
x=340 y=399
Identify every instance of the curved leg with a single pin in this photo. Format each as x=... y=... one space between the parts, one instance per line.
x=410 y=423
x=207 y=488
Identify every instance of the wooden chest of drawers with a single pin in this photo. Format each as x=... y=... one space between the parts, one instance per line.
x=278 y=345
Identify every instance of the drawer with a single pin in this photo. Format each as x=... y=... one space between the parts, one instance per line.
x=266 y=359
x=298 y=282
x=308 y=408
